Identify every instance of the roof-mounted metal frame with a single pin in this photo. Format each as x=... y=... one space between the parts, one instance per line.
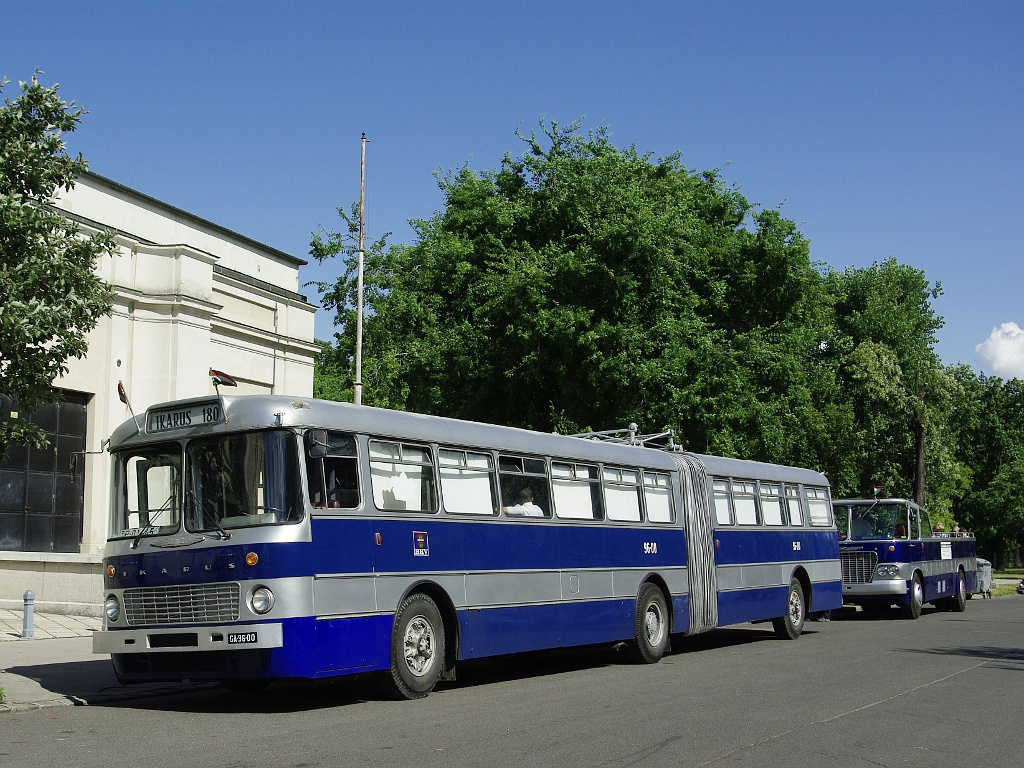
x=629 y=436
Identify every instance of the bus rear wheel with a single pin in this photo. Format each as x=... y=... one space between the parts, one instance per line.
x=958 y=602
x=650 y=626
x=789 y=626
x=417 y=649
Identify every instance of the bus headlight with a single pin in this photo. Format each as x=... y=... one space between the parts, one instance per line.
x=112 y=609
x=888 y=571
x=261 y=600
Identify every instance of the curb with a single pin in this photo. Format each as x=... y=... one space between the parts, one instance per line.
x=101 y=699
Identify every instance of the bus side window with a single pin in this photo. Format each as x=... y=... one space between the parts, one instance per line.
x=402 y=477
x=467 y=482
x=521 y=478
x=658 y=497
x=744 y=496
x=577 y=491
x=794 y=507
x=723 y=501
x=622 y=494
x=334 y=480
x=771 y=503
x=818 y=507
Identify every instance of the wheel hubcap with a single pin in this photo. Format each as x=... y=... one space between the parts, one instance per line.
x=795 y=607
x=419 y=645
x=653 y=624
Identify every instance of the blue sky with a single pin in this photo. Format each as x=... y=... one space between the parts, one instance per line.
x=886 y=129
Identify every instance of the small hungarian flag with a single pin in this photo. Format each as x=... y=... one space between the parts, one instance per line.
x=221 y=379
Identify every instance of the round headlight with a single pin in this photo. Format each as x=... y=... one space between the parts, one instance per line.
x=112 y=609
x=261 y=600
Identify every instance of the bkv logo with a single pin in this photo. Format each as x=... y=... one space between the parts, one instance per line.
x=420 y=544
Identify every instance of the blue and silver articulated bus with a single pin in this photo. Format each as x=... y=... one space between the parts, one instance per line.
x=262 y=537
x=891 y=555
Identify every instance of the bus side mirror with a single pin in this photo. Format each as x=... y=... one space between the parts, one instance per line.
x=316 y=443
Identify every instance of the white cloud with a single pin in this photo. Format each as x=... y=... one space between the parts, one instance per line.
x=1002 y=352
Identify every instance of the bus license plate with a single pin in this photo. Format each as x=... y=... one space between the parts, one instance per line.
x=236 y=638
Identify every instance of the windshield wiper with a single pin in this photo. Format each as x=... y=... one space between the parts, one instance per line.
x=148 y=530
x=217 y=531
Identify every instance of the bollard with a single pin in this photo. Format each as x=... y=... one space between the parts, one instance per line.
x=27 y=630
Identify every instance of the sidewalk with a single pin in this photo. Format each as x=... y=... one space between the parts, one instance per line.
x=57 y=667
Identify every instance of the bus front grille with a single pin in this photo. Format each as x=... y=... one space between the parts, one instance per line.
x=858 y=567
x=194 y=603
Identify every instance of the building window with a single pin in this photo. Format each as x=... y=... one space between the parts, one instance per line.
x=40 y=506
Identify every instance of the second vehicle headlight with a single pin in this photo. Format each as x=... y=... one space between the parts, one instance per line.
x=888 y=571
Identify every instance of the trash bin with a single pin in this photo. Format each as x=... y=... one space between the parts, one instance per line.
x=984 y=577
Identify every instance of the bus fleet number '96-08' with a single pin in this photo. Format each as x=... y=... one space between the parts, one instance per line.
x=650 y=547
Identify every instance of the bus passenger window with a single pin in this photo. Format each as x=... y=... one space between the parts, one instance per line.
x=577 y=491
x=793 y=506
x=622 y=494
x=771 y=504
x=744 y=496
x=723 y=502
x=402 y=477
x=818 y=507
x=334 y=480
x=524 y=487
x=467 y=482
x=658 y=497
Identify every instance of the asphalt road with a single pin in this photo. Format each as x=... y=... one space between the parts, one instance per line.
x=944 y=690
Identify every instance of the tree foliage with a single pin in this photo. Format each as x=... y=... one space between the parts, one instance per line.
x=50 y=296
x=582 y=286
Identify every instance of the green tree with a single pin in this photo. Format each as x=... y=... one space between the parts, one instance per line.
x=50 y=296
x=890 y=383
x=987 y=421
x=581 y=285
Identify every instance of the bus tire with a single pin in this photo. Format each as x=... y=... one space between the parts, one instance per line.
x=790 y=625
x=650 y=628
x=915 y=600
x=417 y=649
x=958 y=602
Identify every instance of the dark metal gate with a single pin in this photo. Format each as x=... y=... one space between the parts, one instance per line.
x=40 y=507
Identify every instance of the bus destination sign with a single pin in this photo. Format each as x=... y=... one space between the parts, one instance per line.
x=200 y=415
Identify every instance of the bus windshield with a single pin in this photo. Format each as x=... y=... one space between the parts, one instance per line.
x=877 y=521
x=235 y=481
x=149 y=492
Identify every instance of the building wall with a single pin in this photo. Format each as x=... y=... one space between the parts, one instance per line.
x=189 y=296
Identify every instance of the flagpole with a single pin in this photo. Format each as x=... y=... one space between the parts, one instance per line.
x=358 y=388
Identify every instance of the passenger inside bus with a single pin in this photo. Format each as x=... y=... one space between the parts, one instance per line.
x=900 y=531
x=525 y=506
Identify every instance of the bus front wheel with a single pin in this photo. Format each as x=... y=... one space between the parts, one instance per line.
x=417 y=649
x=789 y=626
x=915 y=600
x=650 y=626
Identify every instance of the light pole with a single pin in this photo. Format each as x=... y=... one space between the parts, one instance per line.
x=358 y=388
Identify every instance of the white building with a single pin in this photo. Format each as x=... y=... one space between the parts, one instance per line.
x=189 y=296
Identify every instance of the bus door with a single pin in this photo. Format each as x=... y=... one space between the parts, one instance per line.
x=702 y=575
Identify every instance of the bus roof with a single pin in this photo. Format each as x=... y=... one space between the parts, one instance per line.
x=249 y=412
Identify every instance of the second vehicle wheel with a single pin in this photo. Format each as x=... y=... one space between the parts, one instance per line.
x=915 y=600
